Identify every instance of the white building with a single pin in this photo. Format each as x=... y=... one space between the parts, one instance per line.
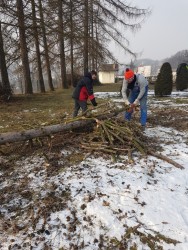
x=107 y=73
x=145 y=70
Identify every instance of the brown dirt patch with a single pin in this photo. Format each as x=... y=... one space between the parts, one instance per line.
x=175 y=118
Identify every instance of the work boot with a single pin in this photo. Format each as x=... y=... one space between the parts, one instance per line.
x=143 y=127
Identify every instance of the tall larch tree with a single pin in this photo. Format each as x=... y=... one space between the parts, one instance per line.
x=23 y=48
x=5 y=90
x=62 y=45
x=45 y=45
x=71 y=43
x=38 y=54
x=86 y=35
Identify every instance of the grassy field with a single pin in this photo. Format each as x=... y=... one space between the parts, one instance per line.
x=32 y=111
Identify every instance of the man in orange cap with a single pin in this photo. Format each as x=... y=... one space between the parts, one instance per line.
x=137 y=85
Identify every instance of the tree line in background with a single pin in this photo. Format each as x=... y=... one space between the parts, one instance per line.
x=164 y=82
x=65 y=38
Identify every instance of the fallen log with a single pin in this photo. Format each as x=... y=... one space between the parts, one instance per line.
x=165 y=158
x=11 y=137
x=79 y=122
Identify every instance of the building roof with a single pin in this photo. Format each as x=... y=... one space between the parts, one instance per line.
x=108 y=67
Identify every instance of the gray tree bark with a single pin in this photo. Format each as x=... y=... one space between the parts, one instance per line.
x=23 y=48
x=71 y=43
x=46 y=53
x=38 y=54
x=62 y=45
x=6 y=89
x=86 y=35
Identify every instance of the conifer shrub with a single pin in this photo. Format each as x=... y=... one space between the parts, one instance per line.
x=164 y=82
x=182 y=77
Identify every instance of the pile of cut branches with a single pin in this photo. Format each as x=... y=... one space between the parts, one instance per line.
x=114 y=137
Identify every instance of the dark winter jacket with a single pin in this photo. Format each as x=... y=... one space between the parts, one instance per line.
x=84 y=89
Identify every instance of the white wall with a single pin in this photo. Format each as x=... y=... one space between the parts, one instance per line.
x=107 y=77
x=145 y=70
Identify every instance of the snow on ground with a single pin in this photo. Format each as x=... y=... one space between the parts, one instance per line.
x=103 y=200
x=150 y=93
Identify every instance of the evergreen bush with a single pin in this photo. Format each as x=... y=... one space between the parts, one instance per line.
x=164 y=82
x=182 y=77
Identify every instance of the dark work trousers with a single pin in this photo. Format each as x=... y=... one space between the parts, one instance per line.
x=79 y=104
x=143 y=104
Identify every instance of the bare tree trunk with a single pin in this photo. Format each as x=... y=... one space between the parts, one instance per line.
x=71 y=43
x=38 y=54
x=50 y=83
x=23 y=47
x=6 y=89
x=61 y=45
x=86 y=30
x=92 y=38
x=96 y=56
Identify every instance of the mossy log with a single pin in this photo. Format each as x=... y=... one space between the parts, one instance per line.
x=79 y=122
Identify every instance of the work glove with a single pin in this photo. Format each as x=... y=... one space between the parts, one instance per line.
x=127 y=102
x=93 y=102
x=136 y=102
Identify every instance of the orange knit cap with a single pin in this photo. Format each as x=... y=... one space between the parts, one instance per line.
x=128 y=74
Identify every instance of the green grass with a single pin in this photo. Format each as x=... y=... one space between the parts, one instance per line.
x=181 y=100
x=108 y=87
x=32 y=111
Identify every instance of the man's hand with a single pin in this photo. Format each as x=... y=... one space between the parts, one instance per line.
x=136 y=102
x=127 y=102
x=94 y=102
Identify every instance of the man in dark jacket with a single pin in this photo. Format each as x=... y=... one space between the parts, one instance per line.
x=83 y=91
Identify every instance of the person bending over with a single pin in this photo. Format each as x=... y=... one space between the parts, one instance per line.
x=83 y=92
x=137 y=85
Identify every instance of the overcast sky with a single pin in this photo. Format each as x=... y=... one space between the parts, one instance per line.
x=163 y=33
